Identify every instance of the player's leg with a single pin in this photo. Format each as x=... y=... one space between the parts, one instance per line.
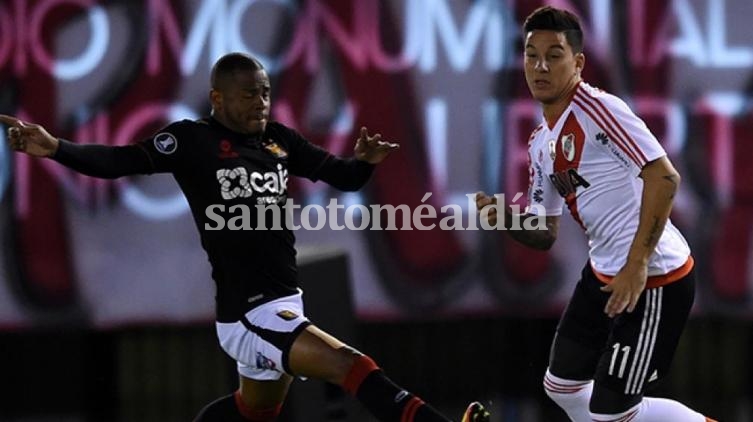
x=258 y=343
x=319 y=355
x=640 y=351
x=571 y=390
x=576 y=348
x=257 y=401
x=276 y=339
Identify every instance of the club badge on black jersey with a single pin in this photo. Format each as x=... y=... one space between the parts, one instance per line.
x=275 y=149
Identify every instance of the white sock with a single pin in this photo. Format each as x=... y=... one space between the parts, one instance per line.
x=571 y=396
x=653 y=409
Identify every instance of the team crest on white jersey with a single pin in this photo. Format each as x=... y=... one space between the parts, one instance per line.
x=165 y=143
x=568 y=146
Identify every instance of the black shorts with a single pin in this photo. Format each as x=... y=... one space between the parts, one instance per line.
x=625 y=353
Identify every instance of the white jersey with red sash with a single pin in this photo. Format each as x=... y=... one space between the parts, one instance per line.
x=590 y=161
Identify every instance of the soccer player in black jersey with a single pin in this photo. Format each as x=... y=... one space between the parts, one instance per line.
x=238 y=158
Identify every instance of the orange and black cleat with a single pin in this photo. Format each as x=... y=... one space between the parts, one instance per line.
x=475 y=412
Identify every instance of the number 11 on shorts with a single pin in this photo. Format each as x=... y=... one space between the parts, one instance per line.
x=623 y=363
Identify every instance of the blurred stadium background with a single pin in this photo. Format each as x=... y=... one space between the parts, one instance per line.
x=105 y=295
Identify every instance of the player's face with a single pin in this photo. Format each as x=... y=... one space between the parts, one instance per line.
x=552 y=69
x=243 y=105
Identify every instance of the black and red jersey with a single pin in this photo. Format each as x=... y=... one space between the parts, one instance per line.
x=234 y=184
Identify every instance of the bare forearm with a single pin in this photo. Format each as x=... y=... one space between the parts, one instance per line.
x=541 y=238
x=656 y=205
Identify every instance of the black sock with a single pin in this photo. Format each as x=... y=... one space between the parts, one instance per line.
x=220 y=410
x=232 y=409
x=390 y=403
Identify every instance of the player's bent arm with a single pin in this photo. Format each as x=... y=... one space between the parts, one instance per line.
x=345 y=174
x=102 y=161
x=660 y=184
x=541 y=238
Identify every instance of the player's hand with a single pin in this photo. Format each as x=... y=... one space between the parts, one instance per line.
x=626 y=288
x=483 y=200
x=371 y=148
x=29 y=137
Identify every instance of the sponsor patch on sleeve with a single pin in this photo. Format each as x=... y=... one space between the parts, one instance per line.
x=165 y=143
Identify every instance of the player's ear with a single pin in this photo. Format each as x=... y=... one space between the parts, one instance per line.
x=215 y=98
x=580 y=62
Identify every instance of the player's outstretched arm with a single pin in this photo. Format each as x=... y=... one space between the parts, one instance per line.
x=541 y=238
x=29 y=138
x=103 y=161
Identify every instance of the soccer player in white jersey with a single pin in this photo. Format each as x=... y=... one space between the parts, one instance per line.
x=594 y=155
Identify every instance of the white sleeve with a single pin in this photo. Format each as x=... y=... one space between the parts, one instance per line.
x=543 y=198
x=633 y=144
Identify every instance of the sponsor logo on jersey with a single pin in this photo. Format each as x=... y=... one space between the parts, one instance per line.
x=538 y=196
x=226 y=150
x=539 y=175
x=275 y=149
x=568 y=146
x=263 y=362
x=603 y=138
x=287 y=315
x=165 y=143
x=567 y=182
x=238 y=183
x=552 y=148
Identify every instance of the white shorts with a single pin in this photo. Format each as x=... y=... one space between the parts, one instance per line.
x=260 y=342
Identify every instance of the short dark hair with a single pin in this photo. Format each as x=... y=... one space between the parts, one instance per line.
x=231 y=63
x=548 y=18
